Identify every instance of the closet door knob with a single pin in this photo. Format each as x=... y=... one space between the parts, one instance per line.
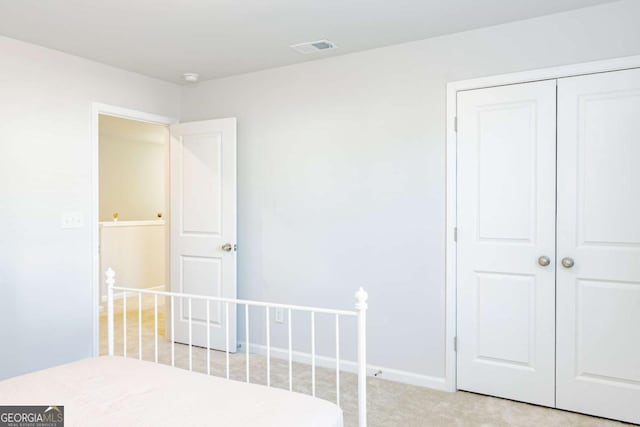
x=544 y=261
x=567 y=262
x=227 y=247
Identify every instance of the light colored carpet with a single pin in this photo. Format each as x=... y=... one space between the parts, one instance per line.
x=389 y=403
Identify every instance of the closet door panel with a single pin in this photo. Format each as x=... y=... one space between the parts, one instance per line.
x=506 y=221
x=598 y=331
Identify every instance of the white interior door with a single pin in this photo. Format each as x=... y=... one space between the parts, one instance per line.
x=506 y=222
x=203 y=227
x=598 y=348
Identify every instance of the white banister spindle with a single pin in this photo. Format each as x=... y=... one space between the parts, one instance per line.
x=226 y=337
x=246 y=337
x=361 y=307
x=313 y=354
x=173 y=341
x=267 y=321
x=338 y=360
x=190 y=338
x=110 y=281
x=155 y=327
x=139 y=325
x=208 y=349
x=124 y=324
x=290 y=351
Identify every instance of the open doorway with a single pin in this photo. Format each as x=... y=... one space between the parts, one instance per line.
x=199 y=176
x=132 y=209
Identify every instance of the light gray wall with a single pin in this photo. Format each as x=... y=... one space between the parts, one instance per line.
x=45 y=169
x=341 y=167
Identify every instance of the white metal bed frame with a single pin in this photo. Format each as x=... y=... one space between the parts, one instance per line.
x=360 y=313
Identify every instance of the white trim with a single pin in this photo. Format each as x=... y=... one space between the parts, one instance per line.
x=451 y=173
x=110 y=110
x=141 y=223
x=559 y=72
x=450 y=247
x=437 y=383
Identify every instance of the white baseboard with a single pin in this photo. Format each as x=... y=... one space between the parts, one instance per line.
x=121 y=295
x=437 y=383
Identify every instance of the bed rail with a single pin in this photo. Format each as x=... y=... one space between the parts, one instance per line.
x=360 y=313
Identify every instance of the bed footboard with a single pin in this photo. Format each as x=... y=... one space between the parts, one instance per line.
x=359 y=313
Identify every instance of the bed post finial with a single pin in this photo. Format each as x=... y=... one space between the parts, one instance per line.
x=361 y=306
x=361 y=299
x=110 y=282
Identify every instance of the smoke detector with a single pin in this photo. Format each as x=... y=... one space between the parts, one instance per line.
x=191 y=77
x=312 y=47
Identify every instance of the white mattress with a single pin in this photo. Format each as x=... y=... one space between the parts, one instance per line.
x=115 y=391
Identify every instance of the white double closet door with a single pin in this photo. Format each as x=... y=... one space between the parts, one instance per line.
x=548 y=250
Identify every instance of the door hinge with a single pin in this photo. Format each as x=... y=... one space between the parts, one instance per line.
x=455 y=124
x=455 y=234
x=455 y=343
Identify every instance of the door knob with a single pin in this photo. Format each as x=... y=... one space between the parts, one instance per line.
x=567 y=262
x=544 y=261
x=227 y=247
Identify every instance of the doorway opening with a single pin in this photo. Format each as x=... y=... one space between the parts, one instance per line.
x=199 y=176
x=131 y=209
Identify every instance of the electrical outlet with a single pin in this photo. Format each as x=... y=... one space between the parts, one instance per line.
x=72 y=220
x=279 y=315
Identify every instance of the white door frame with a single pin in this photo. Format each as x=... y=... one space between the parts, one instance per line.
x=451 y=173
x=125 y=113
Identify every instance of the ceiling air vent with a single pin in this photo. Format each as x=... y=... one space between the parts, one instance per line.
x=312 y=47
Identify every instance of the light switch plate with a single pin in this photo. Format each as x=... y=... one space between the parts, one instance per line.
x=279 y=315
x=72 y=220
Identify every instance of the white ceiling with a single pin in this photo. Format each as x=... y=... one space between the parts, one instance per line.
x=216 y=38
